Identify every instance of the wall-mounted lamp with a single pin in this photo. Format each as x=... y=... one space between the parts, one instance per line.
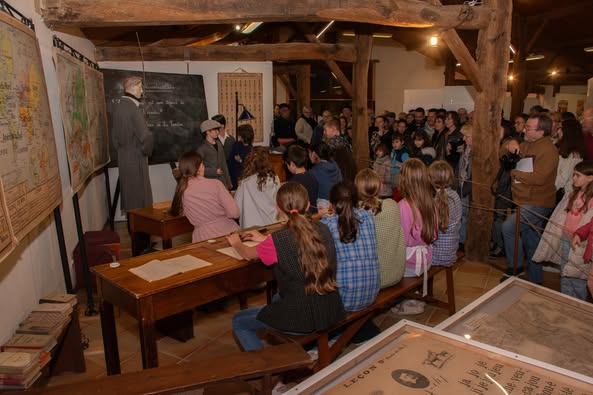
x=250 y=27
x=434 y=41
x=511 y=77
x=588 y=49
x=554 y=73
x=238 y=28
x=244 y=116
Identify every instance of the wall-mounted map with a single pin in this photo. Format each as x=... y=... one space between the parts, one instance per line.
x=6 y=239
x=28 y=158
x=82 y=101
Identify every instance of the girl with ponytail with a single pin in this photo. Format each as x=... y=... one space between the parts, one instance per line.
x=418 y=217
x=448 y=207
x=353 y=231
x=205 y=202
x=303 y=258
x=391 y=244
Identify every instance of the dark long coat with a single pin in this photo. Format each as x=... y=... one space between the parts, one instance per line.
x=134 y=143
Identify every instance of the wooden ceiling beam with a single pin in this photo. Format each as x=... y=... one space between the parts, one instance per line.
x=561 y=12
x=333 y=66
x=405 y=13
x=253 y=53
x=463 y=56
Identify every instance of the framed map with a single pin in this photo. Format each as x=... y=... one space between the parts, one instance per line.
x=28 y=158
x=82 y=101
x=414 y=359
x=6 y=238
x=530 y=320
x=249 y=87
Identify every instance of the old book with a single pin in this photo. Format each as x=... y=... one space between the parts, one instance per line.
x=62 y=308
x=57 y=297
x=29 y=341
x=16 y=385
x=158 y=270
x=17 y=362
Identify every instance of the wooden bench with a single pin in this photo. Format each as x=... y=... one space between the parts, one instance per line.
x=260 y=364
x=355 y=320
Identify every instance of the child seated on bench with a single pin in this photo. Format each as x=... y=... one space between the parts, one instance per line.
x=353 y=231
x=304 y=263
x=418 y=218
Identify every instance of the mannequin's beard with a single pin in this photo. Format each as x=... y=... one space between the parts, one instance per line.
x=133 y=96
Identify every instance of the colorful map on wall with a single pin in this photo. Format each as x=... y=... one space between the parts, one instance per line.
x=28 y=157
x=6 y=240
x=82 y=101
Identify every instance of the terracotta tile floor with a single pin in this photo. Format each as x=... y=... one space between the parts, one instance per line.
x=212 y=325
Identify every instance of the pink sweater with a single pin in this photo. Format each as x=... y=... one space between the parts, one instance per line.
x=413 y=237
x=210 y=208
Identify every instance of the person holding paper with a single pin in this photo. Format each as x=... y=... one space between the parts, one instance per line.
x=205 y=202
x=533 y=191
x=303 y=257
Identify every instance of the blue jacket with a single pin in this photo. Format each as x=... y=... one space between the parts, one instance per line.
x=327 y=174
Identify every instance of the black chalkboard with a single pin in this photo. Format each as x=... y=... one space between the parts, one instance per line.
x=174 y=104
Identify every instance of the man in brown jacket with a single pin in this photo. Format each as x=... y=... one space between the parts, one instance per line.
x=534 y=192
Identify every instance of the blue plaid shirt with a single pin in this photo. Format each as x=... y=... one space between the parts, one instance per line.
x=444 y=248
x=357 y=271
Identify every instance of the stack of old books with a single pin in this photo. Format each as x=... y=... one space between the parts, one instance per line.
x=20 y=369
x=50 y=317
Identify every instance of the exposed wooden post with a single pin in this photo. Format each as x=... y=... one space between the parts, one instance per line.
x=492 y=58
x=303 y=88
x=360 y=78
x=519 y=82
x=285 y=78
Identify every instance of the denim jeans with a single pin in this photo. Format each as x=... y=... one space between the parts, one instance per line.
x=245 y=326
x=575 y=287
x=464 y=218
x=528 y=239
x=497 y=230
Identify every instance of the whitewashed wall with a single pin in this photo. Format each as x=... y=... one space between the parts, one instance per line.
x=34 y=268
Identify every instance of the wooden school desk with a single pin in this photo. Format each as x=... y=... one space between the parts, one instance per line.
x=157 y=222
x=150 y=301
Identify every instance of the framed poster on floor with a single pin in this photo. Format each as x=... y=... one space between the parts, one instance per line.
x=410 y=358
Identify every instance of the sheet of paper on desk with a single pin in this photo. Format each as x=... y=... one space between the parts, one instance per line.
x=230 y=251
x=157 y=270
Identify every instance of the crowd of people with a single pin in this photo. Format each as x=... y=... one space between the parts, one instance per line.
x=395 y=218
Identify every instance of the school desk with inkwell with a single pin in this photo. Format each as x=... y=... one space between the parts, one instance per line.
x=150 y=301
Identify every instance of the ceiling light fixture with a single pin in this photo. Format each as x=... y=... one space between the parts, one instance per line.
x=375 y=35
x=588 y=49
x=511 y=77
x=238 y=27
x=250 y=27
x=554 y=73
x=322 y=32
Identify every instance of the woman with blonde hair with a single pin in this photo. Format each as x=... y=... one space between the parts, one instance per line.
x=256 y=193
x=448 y=208
x=391 y=244
x=205 y=202
x=303 y=258
x=419 y=222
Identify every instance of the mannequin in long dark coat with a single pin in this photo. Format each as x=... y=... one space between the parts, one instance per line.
x=134 y=143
